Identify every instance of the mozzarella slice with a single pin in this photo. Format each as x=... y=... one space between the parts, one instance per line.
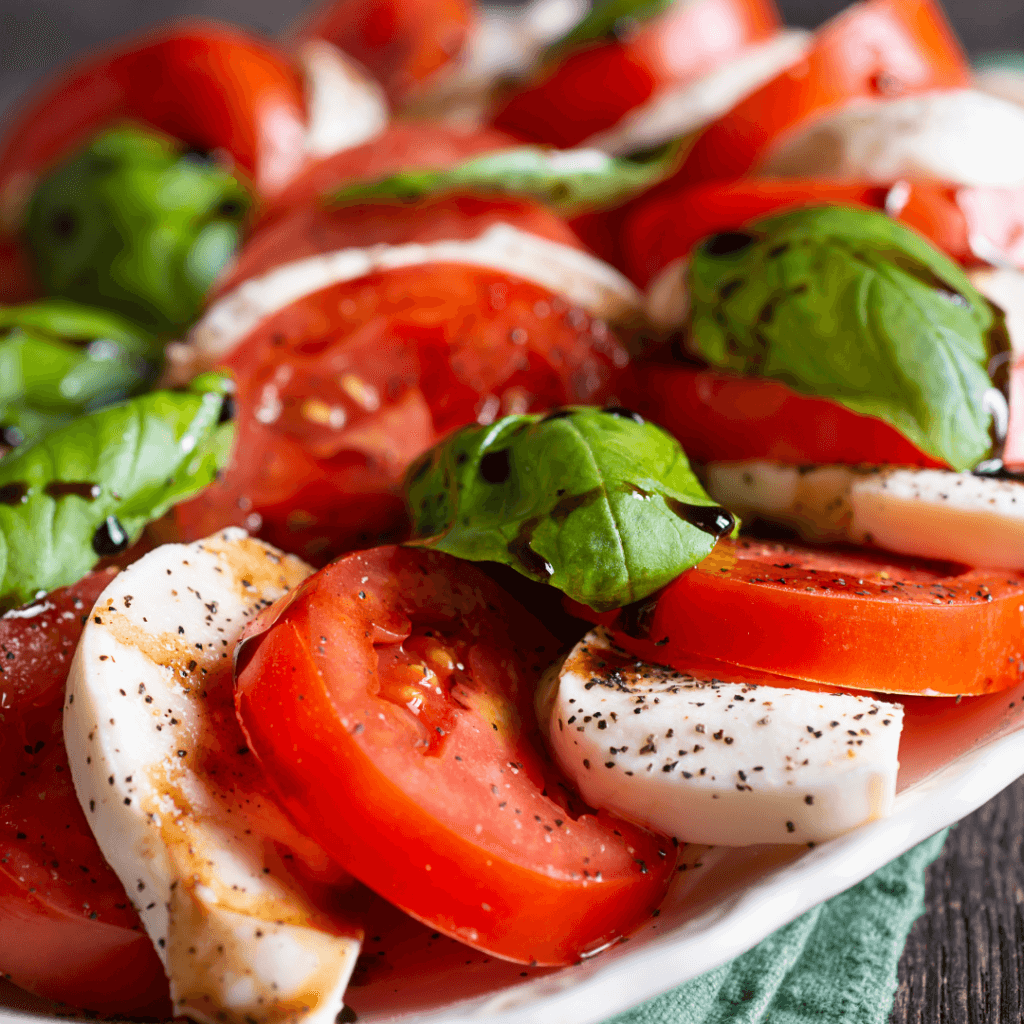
x=679 y=110
x=505 y=44
x=178 y=805
x=345 y=106
x=709 y=761
x=578 y=277
x=960 y=136
x=933 y=513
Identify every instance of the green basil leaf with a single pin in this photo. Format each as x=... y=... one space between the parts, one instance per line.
x=59 y=359
x=598 y=503
x=850 y=305
x=572 y=180
x=606 y=19
x=136 y=224
x=88 y=489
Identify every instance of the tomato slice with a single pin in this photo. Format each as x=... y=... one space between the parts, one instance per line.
x=400 y=42
x=852 y=618
x=391 y=705
x=594 y=87
x=401 y=147
x=341 y=390
x=874 y=50
x=311 y=229
x=67 y=929
x=720 y=417
x=210 y=85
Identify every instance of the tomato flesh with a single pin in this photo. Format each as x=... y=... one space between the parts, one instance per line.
x=596 y=86
x=720 y=417
x=442 y=802
x=339 y=392
x=67 y=929
x=852 y=618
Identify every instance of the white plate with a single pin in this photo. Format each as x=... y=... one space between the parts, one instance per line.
x=954 y=757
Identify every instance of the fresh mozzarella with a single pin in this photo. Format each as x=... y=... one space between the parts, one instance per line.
x=178 y=805
x=681 y=109
x=933 y=513
x=345 y=106
x=960 y=136
x=578 y=277
x=717 y=762
x=506 y=44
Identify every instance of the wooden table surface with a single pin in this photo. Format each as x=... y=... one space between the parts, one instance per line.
x=964 y=959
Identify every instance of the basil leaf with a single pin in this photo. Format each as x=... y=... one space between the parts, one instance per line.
x=595 y=502
x=136 y=224
x=850 y=305
x=606 y=19
x=88 y=489
x=59 y=360
x=572 y=180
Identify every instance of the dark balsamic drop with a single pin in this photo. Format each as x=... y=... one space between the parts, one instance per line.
x=570 y=503
x=520 y=550
x=625 y=414
x=64 y=224
x=11 y=436
x=709 y=518
x=79 y=488
x=728 y=243
x=495 y=466
x=558 y=414
x=228 y=409
x=13 y=494
x=419 y=469
x=636 y=619
x=110 y=538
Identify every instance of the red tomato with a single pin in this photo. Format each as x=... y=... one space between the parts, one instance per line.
x=212 y=86
x=67 y=930
x=400 y=42
x=874 y=50
x=663 y=226
x=594 y=87
x=310 y=230
x=391 y=705
x=340 y=391
x=852 y=618
x=723 y=417
x=401 y=147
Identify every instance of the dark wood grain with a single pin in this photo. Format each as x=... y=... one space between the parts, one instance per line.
x=964 y=958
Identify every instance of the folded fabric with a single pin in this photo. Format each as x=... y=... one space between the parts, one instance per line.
x=835 y=965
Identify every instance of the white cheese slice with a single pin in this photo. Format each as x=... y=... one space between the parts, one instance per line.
x=960 y=136
x=506 y=44
x=345 y=107
x=179 y=806
x=678 y=110
x=716 y=762
x=581 y=279
x=933 y=513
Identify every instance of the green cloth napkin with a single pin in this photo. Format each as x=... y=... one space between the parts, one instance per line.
x=835 y=965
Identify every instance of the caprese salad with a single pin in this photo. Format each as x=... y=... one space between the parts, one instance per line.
x=397 y=511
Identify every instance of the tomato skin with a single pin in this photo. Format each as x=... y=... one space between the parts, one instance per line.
x=67 y=929
x=404 y=357
x=594 y=87
x=210 y=85
x=721 y=417
x=401 y=147
x=851 y=618
x=874 y=50
x=445 y=811
x=400 y=42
